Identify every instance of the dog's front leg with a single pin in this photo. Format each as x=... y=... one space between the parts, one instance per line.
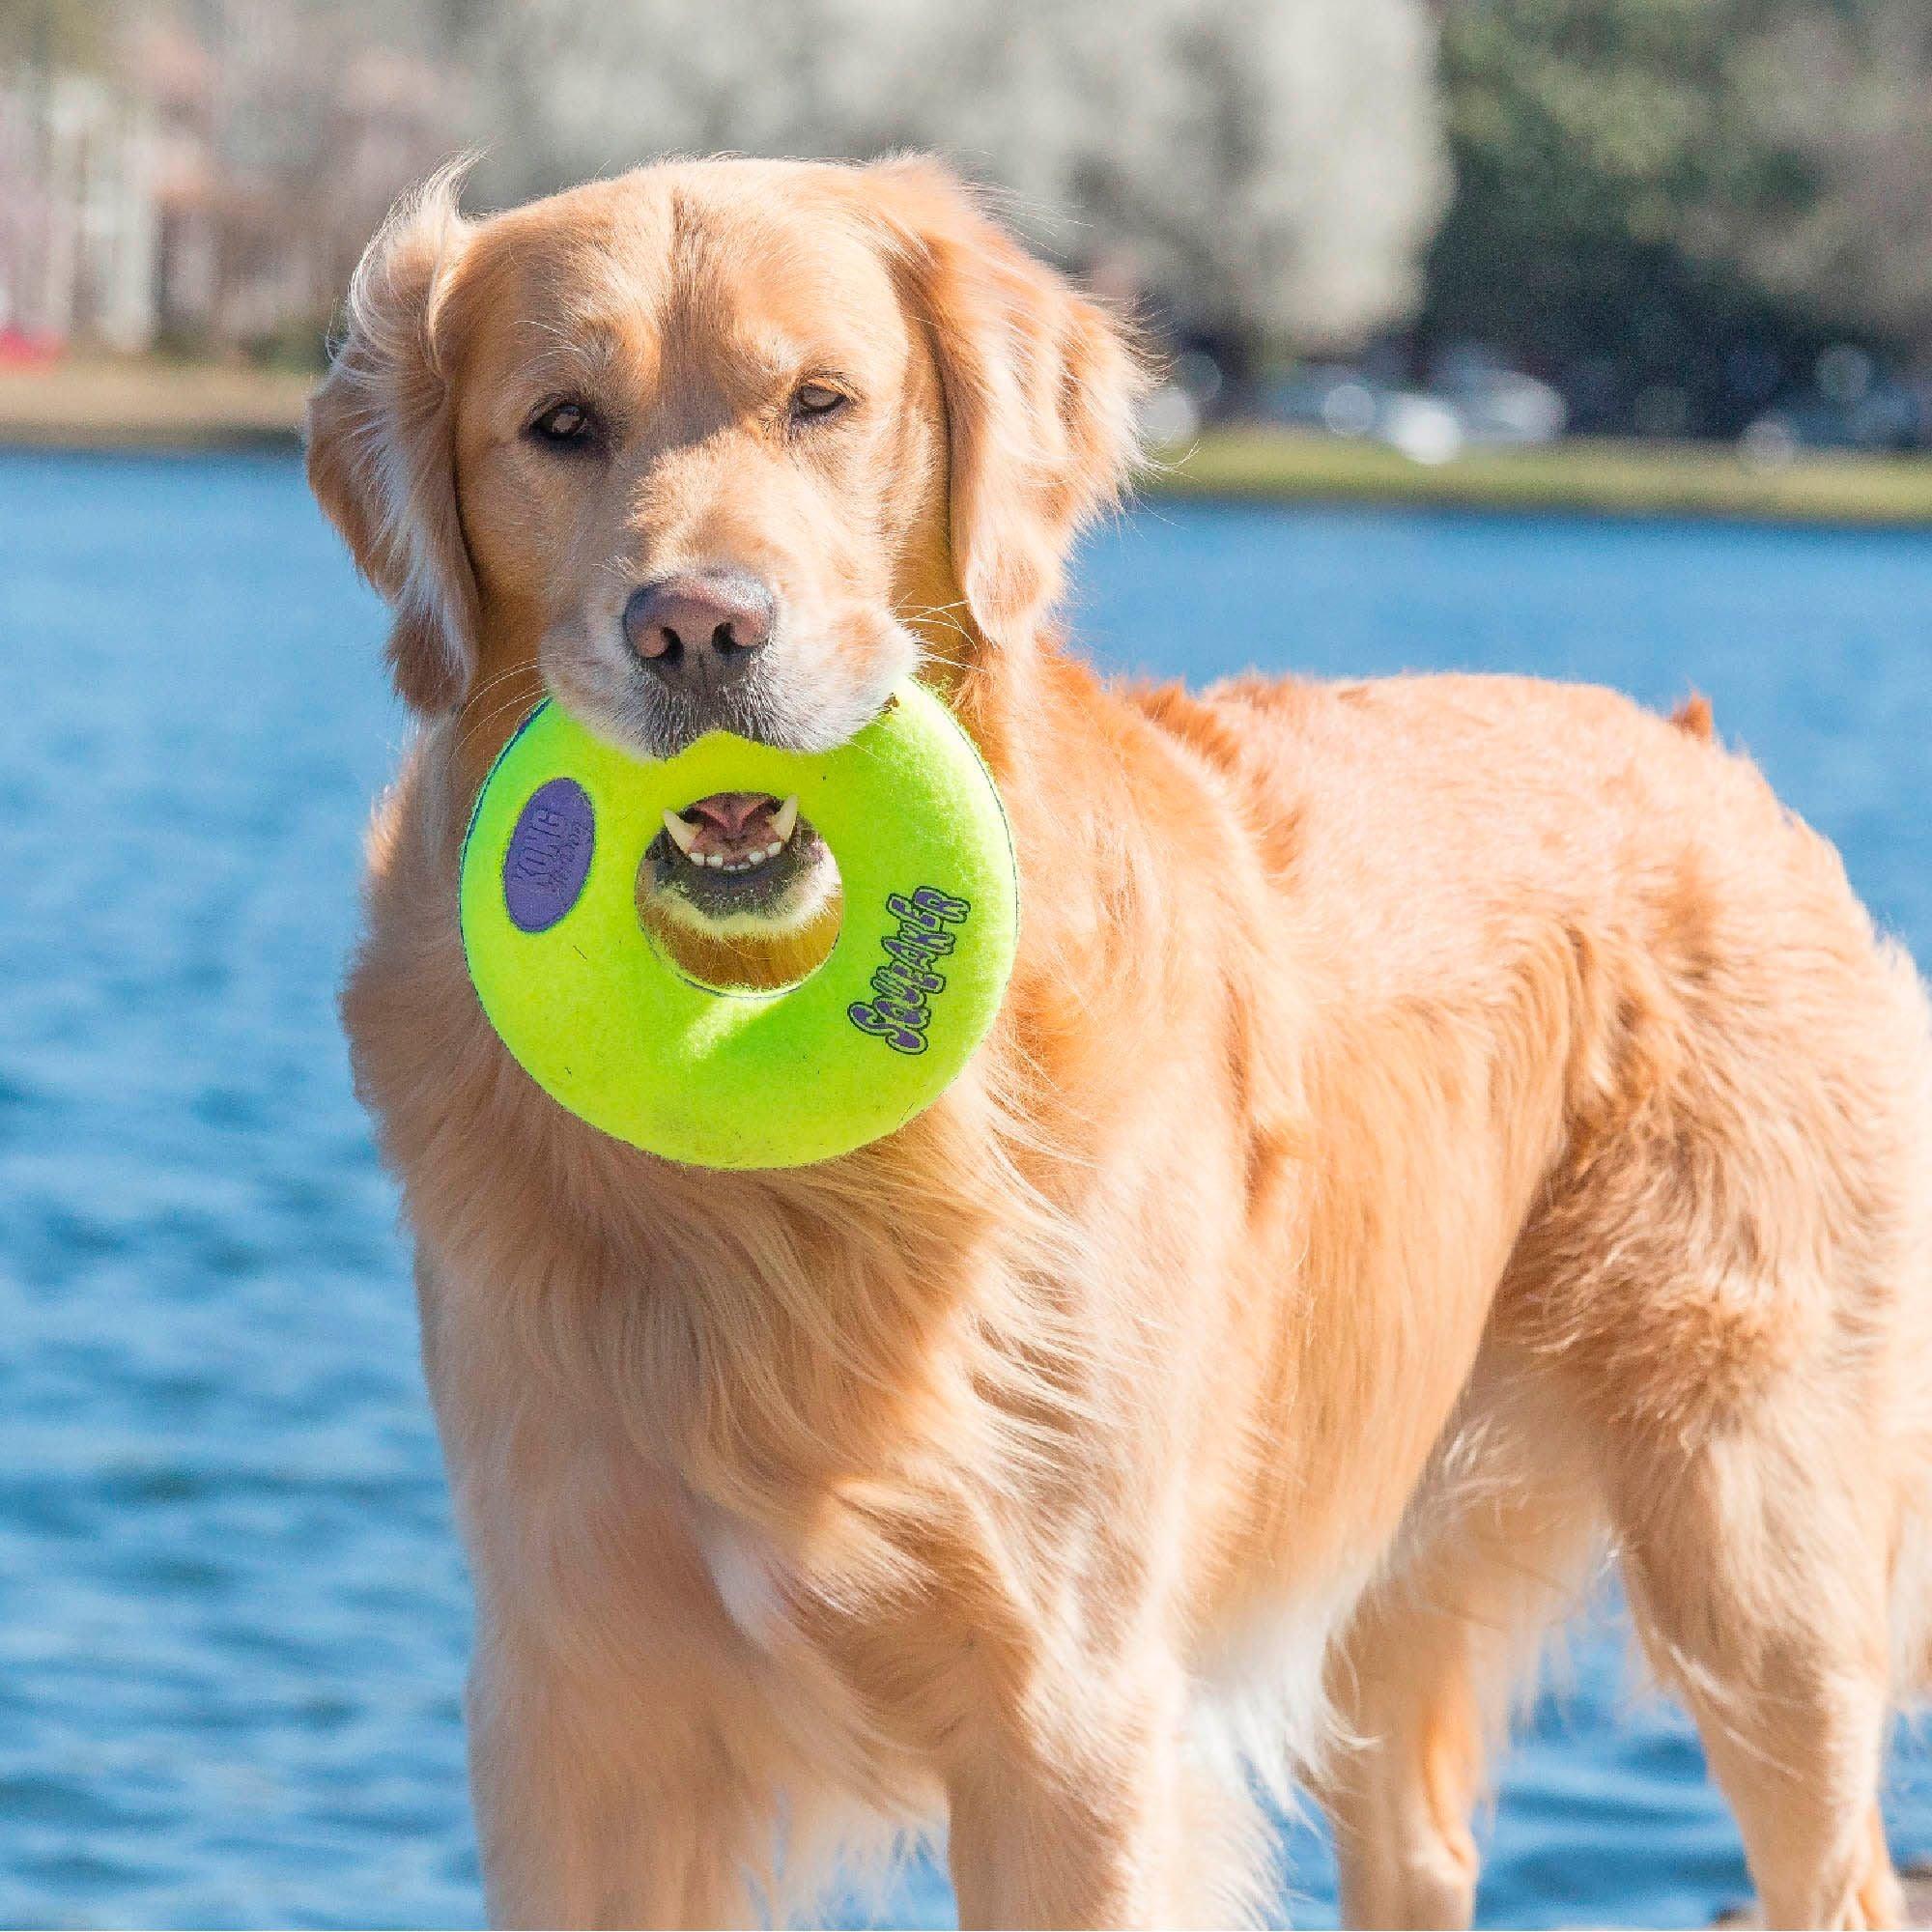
x=598 y=1805
x=1091 y=1817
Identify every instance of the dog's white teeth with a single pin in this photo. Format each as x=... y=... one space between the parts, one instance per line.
x=684 y=835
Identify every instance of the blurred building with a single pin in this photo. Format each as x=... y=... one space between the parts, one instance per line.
x=78 y=213
x=214 y=188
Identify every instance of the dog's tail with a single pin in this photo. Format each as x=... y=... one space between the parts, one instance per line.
x=1693 y=718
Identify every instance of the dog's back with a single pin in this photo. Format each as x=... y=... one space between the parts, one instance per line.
x=1539 y=911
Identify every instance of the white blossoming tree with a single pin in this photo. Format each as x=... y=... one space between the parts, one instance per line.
x=1269 y=167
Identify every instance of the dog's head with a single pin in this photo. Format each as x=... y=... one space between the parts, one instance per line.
x=723 y=444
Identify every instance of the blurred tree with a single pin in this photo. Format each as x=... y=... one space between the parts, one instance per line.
x=1842 y=92
x=1686 y=188
x=1267 y=168
x=71 y=34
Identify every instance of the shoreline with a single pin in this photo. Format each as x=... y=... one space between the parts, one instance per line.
x=95 y=406
x=1584 y=476
x=86 y=405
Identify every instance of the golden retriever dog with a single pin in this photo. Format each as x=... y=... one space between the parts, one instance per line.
x=1438 y=1130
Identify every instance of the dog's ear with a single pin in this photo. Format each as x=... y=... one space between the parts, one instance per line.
x=381 y=455
x=1040 y=384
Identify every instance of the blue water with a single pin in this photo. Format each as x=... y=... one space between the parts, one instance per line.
x=232 y=1615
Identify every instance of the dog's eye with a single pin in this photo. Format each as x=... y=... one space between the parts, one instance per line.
x=812 y=401
x=562 y=424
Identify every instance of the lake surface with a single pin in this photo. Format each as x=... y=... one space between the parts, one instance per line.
x=232 y=1619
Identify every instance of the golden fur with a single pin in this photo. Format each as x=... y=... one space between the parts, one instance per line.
x=1436 y=1126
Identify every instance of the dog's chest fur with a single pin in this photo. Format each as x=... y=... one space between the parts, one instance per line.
x=754 y=1340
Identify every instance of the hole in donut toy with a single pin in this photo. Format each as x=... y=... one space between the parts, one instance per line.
x=738 y=893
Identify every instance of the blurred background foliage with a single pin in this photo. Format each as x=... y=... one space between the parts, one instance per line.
x=1699 y=194
x=1679 y=217
x=1266 y=171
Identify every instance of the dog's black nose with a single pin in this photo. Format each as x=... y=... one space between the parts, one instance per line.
x=698 y=632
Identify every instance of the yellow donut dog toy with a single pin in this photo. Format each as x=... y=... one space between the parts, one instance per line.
x=611 y=1030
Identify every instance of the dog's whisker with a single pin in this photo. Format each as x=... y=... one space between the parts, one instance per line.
x=493 y=716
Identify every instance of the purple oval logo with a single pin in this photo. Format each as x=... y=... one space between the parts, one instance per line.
x=549 y=859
